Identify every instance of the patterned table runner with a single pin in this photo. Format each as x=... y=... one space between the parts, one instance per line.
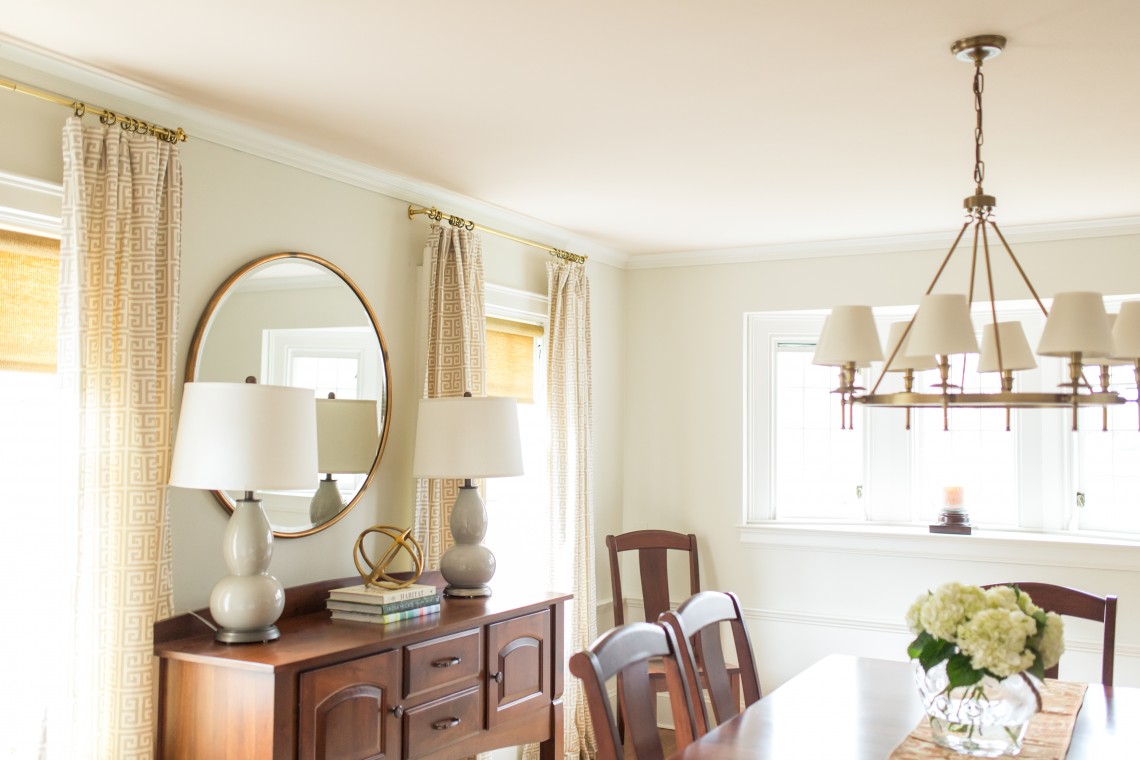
x=1047 y=737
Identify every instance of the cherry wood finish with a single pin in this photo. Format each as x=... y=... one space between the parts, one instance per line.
x=624 y=653
x=850 y=708
x=697 y=625
x=483 y=673
x=1075 y=603
x=653 y=547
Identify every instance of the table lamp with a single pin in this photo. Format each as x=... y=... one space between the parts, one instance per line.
x=347 y=433
x=467 y=437
x=246 y=437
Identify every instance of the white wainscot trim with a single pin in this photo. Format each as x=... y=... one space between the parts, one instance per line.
x=916 y=542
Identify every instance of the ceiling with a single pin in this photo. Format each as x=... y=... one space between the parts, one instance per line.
x=667 y=126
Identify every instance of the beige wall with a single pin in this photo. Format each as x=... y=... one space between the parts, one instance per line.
x=238 y=207
x=684 y=431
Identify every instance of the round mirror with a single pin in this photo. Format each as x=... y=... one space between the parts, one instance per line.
x=295 y=319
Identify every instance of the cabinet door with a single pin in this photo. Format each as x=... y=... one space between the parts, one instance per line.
x=519 y=652
x=346 y=710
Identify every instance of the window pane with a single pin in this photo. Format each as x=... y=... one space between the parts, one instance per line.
x=976 y=453
x=1107 y=472
x=818 y=467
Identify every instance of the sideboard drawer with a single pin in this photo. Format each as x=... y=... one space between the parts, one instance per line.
x=443 y=722
x=449 y=661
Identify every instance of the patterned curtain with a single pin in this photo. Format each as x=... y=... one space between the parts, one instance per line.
x=455 y=361
x=571 y=466
x=119 y=266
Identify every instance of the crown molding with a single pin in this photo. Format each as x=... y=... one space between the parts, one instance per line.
x=75 y=79
x=926 y=241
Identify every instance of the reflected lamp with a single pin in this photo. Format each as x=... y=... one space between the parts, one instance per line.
x=347 y=435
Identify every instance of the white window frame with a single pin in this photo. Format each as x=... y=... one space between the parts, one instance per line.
x=1046 y=456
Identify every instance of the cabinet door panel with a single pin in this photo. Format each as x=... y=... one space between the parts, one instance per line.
x=346 y=710
x=518 y=667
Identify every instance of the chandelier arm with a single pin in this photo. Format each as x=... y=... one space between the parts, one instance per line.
x=902 y=340
x=949 y=253
x=974 y=261
x=993 y=299
x=1020 y=271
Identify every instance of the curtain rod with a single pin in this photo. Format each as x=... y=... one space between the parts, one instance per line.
x=436 y=215
x=128 y=123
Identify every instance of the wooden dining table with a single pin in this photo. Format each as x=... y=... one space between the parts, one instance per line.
x=848 y=708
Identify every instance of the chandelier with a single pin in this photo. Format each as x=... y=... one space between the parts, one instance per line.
x=1077 y=328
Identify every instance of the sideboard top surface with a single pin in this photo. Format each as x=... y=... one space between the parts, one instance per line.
x=309 y=633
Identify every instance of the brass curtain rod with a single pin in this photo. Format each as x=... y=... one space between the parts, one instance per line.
x=436 y=215
x=128 y=123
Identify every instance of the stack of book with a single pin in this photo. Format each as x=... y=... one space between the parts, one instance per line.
x=368 y=604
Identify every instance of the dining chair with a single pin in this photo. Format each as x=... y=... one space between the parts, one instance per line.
x=698 y=624
x=1074 y=603
x=653 y=548
x=624 y=653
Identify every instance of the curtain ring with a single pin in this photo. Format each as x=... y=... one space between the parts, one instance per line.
x=80 y=109
x=108 y=118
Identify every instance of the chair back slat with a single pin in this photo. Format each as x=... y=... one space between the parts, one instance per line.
x=697 y=624
x=652 y=548
x=624 y=653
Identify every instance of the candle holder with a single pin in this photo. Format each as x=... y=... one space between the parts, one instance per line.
x=953 y=518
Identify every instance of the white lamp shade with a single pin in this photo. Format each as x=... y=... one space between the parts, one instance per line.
x=902 y=361
x=245 y=437
x=1077 y=323
x=347 y=434
x=1109 y=361
x=467 y=437
x=1015 y=351
x=1126 y=331
x=942 y=326
x=849 y=335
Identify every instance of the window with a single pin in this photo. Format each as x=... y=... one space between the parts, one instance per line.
x=518 y=507
x=799 y=464
x=36 y=444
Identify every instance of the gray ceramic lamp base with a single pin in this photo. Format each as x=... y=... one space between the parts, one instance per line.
x=468 y=566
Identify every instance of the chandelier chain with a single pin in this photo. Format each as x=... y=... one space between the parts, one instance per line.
x=979 y=136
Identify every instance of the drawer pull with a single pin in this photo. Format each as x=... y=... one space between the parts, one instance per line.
x=447 y=662
x=446 y=723
x=398 y=711
x=497 y=677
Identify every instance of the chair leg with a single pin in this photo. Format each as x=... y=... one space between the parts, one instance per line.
x=737 y=690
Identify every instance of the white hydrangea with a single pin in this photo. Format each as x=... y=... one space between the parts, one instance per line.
x=945 y=610
x=995 y=640
x=914 y=614
x=1003 y=597
x=1052 y=639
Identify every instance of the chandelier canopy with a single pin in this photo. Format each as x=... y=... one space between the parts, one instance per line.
x=1077 y=328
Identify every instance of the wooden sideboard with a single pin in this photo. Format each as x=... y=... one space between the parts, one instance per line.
x=483 y=673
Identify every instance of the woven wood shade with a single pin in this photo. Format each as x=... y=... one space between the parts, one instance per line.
x=29 y=302
x=510 y=359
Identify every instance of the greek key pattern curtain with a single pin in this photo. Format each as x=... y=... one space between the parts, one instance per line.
x=119 y=267
x=571 y=467
x=455 y=361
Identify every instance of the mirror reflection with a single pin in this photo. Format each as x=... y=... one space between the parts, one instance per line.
x=296 y=319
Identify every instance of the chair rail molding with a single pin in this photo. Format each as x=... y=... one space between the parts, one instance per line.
x=1069 y=550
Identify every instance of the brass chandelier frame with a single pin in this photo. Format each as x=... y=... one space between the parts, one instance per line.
x=979 y=209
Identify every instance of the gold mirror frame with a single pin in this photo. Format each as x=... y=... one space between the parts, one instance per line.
x=384 y=394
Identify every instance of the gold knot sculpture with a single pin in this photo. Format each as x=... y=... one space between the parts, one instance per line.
x=377 y=573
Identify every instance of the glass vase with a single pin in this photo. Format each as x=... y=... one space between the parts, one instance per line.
x=987 y=719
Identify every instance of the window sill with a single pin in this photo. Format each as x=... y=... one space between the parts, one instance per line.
x=1073 y=550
